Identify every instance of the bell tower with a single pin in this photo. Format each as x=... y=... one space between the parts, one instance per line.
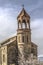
x=24 y=33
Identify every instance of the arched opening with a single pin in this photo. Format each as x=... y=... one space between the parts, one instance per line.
x=19 y=25
x=3 y=57
x=22 y=38
x=24 y=24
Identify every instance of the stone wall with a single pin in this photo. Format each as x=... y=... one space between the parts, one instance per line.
x=12 y=53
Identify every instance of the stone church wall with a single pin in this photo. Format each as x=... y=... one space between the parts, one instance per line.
x=12 y=53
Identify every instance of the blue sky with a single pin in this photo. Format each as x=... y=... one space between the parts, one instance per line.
x=9 y=10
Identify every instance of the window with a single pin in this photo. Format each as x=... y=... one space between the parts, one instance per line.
x=3 y=58
x=32 y=51
x=22 y=38
x=19 y=25
x=24 y=24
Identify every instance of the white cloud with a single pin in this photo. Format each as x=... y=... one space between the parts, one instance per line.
x=7 y=22
x=37 y=27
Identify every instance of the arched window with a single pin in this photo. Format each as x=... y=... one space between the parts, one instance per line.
x=19 y=25
x=32 y=51
x=22 y=38
x=3 y=57
x=24 y=24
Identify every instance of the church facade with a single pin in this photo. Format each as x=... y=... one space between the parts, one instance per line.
x=18 y=49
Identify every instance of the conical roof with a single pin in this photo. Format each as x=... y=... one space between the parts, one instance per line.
x=24 y=13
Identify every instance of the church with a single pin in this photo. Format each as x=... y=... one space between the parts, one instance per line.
x=19 y=49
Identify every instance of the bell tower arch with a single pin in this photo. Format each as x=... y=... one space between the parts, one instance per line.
x=23 y=30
